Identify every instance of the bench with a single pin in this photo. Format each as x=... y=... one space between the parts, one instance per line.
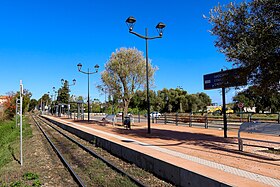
x=257 y=127
x=111 y=118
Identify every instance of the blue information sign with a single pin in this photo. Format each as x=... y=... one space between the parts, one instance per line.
x=224 y=79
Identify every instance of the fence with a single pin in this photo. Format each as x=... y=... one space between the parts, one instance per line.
x=204 y=120
x=208 y=120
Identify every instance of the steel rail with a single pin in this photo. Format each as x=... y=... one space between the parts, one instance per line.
x=70 y=169
x=96 y=155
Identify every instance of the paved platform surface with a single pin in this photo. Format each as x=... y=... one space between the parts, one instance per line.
x=203 y=151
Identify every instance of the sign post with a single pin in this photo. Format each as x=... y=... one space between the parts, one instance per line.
x=240 y=106
x=224 y=79
x=20 y=115
x=224 y=109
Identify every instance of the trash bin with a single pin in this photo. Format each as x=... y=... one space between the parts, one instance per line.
x=127 y=122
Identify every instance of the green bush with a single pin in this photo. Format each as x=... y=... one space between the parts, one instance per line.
x=16 y=184
x=37 y=182
x=30 y=176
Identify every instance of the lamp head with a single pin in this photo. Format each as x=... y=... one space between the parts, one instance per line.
x=96 y=67
x=160 y=26
x=62 y=81
x=74 y=81
x=130 y=21
x=79 y=66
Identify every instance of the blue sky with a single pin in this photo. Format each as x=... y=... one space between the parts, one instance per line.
x=43 y=41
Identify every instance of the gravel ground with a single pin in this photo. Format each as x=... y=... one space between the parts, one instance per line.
x=39 y=158
x=143 y=176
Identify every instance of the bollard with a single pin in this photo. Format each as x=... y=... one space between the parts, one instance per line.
x=190 y=124
x=138 y=117
x=165 y=120
x=206 y=122
x=249 y=117
x=176 y=118
x=240 y=144
x=153 y=120
x=279 y=117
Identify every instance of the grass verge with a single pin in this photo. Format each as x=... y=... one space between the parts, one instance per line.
x=10 y=140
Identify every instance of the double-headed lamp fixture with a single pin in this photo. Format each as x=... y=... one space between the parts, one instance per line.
x=130 y=21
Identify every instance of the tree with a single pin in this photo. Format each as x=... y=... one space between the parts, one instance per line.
x=32 y=105
x=164 y=95
x=205 y=101
x=172 y=100
x=45 y=100
x=193 y=103
x=10 y=105
x=249 y=35
x=125 y=73
x=275 y=102
x=95 y=106
x=139 y=100
x=26 y=96
x=63 y=96
x=252 y=96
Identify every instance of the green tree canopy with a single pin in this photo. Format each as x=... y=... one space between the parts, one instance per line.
x=45 y=100
x=125 y=73
x=63 y=93
x=32 y=105
x=249 y=35
x=171 y=100
x=11 y=105
x=26 y=99
x=252 y=97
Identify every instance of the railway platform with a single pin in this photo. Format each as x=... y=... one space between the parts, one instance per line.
x=189 y=156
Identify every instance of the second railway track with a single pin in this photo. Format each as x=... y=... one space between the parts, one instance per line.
x=90 y=166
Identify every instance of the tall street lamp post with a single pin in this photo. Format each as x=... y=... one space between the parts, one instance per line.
x=56 y=94
x=68 y=85
x=88 y=73
x=160 y=26
x=47 y=104
x=181 y=107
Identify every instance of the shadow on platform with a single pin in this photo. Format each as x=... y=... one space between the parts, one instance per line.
x=189 y=138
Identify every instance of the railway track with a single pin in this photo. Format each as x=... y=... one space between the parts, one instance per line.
x=88 y=166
